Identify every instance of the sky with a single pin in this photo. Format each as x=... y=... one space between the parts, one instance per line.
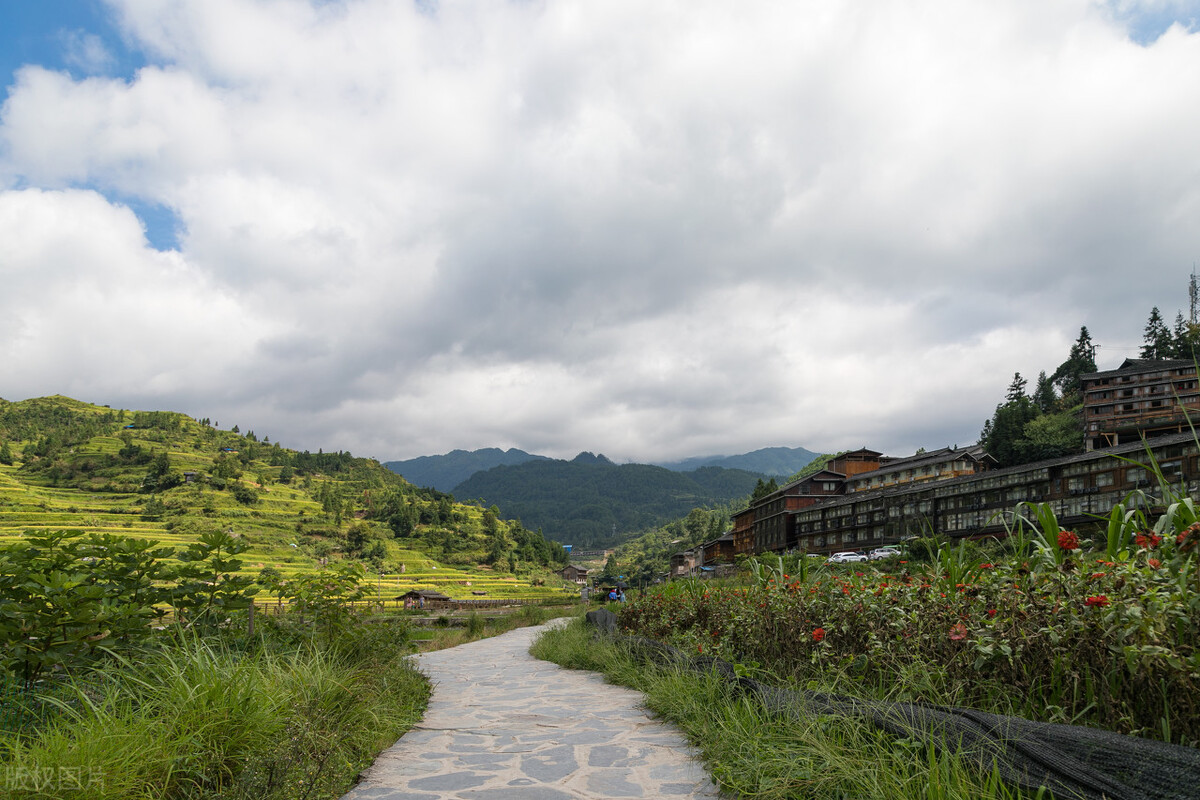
x=649 y=230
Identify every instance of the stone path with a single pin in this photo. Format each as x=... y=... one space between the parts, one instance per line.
x=502 y=725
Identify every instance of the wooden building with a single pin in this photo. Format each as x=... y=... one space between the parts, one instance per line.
x=574 y=574
x=1142 y=397
x=937 y=465
x=686 y=562
x=772 y=520
x=1079 y=488
x=718 y=551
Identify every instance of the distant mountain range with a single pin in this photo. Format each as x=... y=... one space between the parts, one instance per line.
x=446 y=472
x=777 y=462
x=590 y=501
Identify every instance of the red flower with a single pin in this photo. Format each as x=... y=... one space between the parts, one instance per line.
x=986 y=566
x=1154 y=562
x=1147 y=539
x=991 y=612
x=818 y=634
x=1097 y=601
x=958 y=632
x=1068 y=540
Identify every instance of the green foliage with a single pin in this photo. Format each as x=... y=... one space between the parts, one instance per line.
x=65 y=600
x=1025 y=429
x=763 y=488
x=208 y=585
x=646 y=557
x=324 y=597
x=1061 y=629
x=204 y=719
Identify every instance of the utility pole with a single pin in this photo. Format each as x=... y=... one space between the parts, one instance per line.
x=1193 y=294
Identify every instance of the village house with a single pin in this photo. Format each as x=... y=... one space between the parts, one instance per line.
x=574 y=574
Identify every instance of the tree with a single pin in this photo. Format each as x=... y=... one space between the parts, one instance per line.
x=761 y=489
x=1157 y=338
x=1001 y=434
x=1016 y=389
x=1185 y=339
x=1044 y=396
x=1080 y=361
x=6 y=456
x=1050 y=436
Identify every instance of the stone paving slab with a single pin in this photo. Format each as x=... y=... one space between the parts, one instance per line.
x=502 y=725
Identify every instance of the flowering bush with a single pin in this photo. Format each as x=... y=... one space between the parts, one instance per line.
x=1070 y=636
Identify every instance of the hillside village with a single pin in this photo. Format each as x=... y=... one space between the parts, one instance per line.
x=1137 y=431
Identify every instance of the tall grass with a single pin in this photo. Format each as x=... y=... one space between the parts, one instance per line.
x=753 y=753
x=203 y=719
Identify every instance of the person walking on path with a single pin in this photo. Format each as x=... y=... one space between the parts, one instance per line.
x=502 y=725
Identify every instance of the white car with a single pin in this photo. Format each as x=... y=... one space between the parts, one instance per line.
x=845 y=558
x=884 y=552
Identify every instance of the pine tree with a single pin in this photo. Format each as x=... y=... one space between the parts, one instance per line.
x=1080 y=361
x=1016 y=389
x=1158 y=340
x=1044 y=396
x=1185 y=339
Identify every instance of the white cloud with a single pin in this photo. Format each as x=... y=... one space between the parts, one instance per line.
x=649 y=230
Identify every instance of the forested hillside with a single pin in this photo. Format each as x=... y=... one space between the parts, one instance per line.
x=591 y=502
x=163 y=476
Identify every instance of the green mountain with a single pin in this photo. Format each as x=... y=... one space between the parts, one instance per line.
x=591 y=502
x=773 y=461
x=444 y=472
x=165 y=477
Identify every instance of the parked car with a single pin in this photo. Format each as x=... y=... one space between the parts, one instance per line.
x=845 y=558
x=884 y=552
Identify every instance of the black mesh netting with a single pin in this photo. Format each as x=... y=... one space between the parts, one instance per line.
x=1069 y=760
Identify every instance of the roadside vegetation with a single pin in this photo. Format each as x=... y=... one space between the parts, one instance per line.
x=752 y=753
x=128 y=675
x=1048 y=624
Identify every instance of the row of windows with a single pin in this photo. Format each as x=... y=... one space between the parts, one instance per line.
x=975 y=504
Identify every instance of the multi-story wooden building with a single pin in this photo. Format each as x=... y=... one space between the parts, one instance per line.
x=718 y=551
x=743 y=532
x=937 y=465
x=1142 y=397
x=771 y=515
x=1079 y=488
x=863 y=499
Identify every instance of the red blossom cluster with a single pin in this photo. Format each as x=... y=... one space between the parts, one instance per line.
x=1147 y=539
x=1067 y=540
x=1097 y=601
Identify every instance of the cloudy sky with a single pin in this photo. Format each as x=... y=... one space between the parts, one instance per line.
x=652 y=230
